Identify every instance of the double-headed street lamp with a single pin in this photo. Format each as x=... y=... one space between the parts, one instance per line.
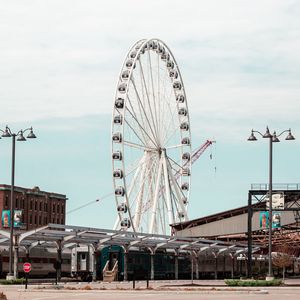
x=6 y=133
x=273 y=138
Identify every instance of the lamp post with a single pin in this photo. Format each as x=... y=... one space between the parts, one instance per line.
x=20 y=137
x=273 y=138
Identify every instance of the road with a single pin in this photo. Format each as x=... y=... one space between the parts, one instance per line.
x=13 y=294
x=100 y=291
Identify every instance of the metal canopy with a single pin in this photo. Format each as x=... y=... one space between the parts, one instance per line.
x=70 y=236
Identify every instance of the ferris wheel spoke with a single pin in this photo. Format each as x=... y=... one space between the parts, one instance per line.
x=174 y=162
x=158 y=92
x=132 y=113
x=153 y=93
x=170 y=136
x=171 y=123
x=136 y=174
x=144 y=132
x=141 y=125
x=138 y=146
x=134 y=131
x=166 y=93
x=149 y=104
x=179 y=193
x=144 y=112
x=175 y=146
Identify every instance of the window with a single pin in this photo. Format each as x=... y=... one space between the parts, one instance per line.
x=40 y=206
x=57 y=210
x=36 y=205
x=35 y=220
x=40 y=220
x=53 y=207
x=6 y=200
x=30 y=219
x=30 y=204
x=62 y=209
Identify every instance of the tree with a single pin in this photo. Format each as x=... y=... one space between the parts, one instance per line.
x=282 y=259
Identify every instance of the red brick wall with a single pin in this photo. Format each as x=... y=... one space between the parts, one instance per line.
x=39 y=208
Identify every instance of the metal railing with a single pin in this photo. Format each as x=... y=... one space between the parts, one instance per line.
x=275 y=186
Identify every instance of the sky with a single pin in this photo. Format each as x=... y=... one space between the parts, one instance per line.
x=59 y=64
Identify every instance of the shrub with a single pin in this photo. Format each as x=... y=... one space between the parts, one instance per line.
x=237 y=282
x=15 y=281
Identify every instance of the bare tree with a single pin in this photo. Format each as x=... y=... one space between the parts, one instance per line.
x=283 y=259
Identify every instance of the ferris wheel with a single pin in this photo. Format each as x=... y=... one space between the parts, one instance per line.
x=151 y=141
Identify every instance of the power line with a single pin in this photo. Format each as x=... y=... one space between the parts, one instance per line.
x=89 y=203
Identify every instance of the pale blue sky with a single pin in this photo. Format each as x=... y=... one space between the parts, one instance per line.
x=59 y=62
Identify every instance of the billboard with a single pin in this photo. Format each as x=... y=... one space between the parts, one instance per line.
x=264 y=219
x=276 y=219
x=6 y=220
x=277 y=201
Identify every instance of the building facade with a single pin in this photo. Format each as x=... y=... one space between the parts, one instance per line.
x=33 y=208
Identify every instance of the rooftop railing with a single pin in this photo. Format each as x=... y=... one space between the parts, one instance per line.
x=275 y=186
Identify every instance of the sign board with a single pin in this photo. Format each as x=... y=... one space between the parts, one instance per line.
x=277 y=201
x=276 y=219
x=264 y=219
x=18 y=215
x=27 y=267
x=5 y=218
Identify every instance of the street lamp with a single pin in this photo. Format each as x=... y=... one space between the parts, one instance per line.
x=273 y=138
x=7 y=133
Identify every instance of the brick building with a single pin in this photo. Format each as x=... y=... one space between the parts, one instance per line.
x=38 y=207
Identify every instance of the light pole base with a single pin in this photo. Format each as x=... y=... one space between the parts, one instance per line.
x=269 y=278
x=10 y=277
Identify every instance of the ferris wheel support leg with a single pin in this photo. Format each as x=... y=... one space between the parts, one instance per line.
x=156 y=196
x=138 y=208
x=178 y=194
x=135 y=176
x=117 y=223
x=168 y=191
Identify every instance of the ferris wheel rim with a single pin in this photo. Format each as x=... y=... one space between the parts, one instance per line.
x=142 y=44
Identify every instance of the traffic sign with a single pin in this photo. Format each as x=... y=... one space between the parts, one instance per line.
x=27 y=267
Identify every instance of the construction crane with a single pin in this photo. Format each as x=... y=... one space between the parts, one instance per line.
x=199 y=151
x=195 y=156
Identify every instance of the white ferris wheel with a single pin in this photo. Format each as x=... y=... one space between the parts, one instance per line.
x=151 y=141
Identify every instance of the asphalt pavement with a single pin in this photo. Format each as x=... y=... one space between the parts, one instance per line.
x=164 y=290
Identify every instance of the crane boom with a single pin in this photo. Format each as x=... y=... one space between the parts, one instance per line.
x=198 y=152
